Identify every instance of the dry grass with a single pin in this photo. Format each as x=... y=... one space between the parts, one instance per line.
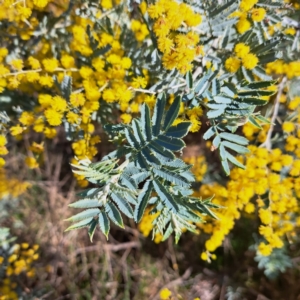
x=71 y=267
x=126 y=267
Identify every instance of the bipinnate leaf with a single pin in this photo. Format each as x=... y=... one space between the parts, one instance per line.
x=131 y=138
x=254 y=122
x=146 y=122
x=161 y=150
x=171 y=176
x=234 y=138
x=179 y=131
x=172 y=113
x=143 y=201
x=114 y=214
x=86 y=203
x=235 y=147
x=165 y=196
x=122 y=204
x=150 y=156
x=137 y=132
x=104 y=223
x=189 y=79
x=81 y=224
x=206 y=210
x=209 y=133
x=260 y=84
x=232 y=159
x=158 y=113
x=172 y=144
x=92 y=229
x=88 y=213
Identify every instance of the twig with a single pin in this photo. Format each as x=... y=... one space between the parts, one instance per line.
x=267 y=143
x=109 y=247
x=103 y=87
x=159 y=91
x=176 y=282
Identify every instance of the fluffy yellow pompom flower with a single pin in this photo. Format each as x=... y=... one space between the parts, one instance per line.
x=45 y=100
x=194 y=112
x=126 y=118
x=53 y=117
x=204 y=256
x=241 y=50
x=26 y=118
x=126 y=62
x=3 y=150
x=194 y=20
x=250 y=61
x=50 y=64
x=77 y=99
x=109 y=96
x=243 y=25
x=46 y=81
x=2 y=164
x=72 y=117
x=37 y=148
x=86 y=72
x=3 y=52
x=165 y=294
x=31 y=162
x=139 y=82
x=288 y=126
x=40 y=3
x=17 y=64
x=16 y=130
x=246 y=5
x=59 y=104
x=232 y=64
x=291 y=31
x=3 y=140
x=34 y=63
x=264 y=249
x=196 y=125
x=107 y=4
x=67 y=61
x=265 y=215
x=155 y=10
x=50 y=133
x=165 y=44
x=258 y=14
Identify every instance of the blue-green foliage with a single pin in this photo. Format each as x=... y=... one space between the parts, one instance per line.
x=150 y=168
x=275 y=263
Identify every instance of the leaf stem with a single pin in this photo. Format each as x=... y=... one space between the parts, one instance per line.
x=267 y=143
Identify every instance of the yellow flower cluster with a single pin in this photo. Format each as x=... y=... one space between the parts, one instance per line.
x=243 y=56
x=194 y=115
x=146 y=226
x=279 y=67
x=105 y=78
x=258 y=188
x=199 y=168
x=140 y=30
x=3 y=150
x=19 y=261
x=179 y=49
x=248 y=12
x=21 y=16
x=165 y=294
x=11 y=186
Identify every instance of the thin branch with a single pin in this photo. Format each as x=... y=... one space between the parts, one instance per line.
x=108 y=247
x=158 y=91
x=176 y=282
x=267 y=143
